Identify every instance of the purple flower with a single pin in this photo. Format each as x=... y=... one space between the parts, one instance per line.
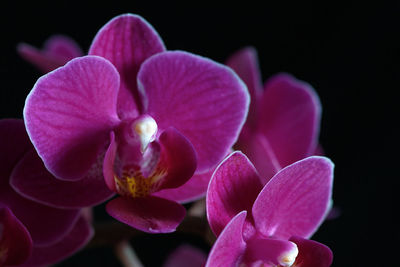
x=157 y=116
x=283 y=122
x=55 y=233
x=57 y=51
x=269 y=223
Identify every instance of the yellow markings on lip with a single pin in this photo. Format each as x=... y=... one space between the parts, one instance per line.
x=134 y=184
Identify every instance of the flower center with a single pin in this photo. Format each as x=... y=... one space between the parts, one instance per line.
x=134 y=184
x=146 y=129
x=288 y=258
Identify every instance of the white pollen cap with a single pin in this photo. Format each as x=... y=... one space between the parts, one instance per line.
x=288 y=258
x=146 y=128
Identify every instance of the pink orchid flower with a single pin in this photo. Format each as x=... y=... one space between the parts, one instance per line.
x=60 y=49
x=156 y=116
x=55 y=233
x=56 y=51
x=283 y=121
x=270 y=224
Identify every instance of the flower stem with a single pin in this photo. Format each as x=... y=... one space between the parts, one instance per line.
x=127 y=255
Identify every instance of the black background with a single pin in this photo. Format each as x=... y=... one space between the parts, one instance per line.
x=349 y=52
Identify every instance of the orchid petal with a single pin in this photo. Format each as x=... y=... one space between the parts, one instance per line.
x=186 y=255
x=69 y=114
x=245 y=63
x=108 y=163
x=271 y=251
x=149 y=214
x=62 y=46
x=13 y=145
x=290 y=112
x=295 y=200
x=230 y=246
x=127 y=41
x=257 y=148
x=57 y=51
x=15 y=240
x=31 y=180
x=319 y=151
x=178 y=158
x=234 y=187
x=194 y=189
x=75 y=240
x=203 y=100
x=46 y=225
x=312 y=253
x=334 y=212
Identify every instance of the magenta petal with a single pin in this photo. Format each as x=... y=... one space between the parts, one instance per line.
x=13 y=145
x=15 y=240
x=203 y=100
x=271 y=251
x=75 y=240
x=290 y=112
x=295 y=200
x=192 y=190
x=57 y=51
x=178 y=158
x=245 y=63
x=69 y=114
x=319 y=151
x=312 y=253
x=45 y=63
x=127 y=41
x=233 y=188
x=46 y=225
x=31 y=180
x=149 y=214
x=230 y=246
x=186 y=255
x=108 y=164
x=333 y=212
x=62 y=46
x=257 y=148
